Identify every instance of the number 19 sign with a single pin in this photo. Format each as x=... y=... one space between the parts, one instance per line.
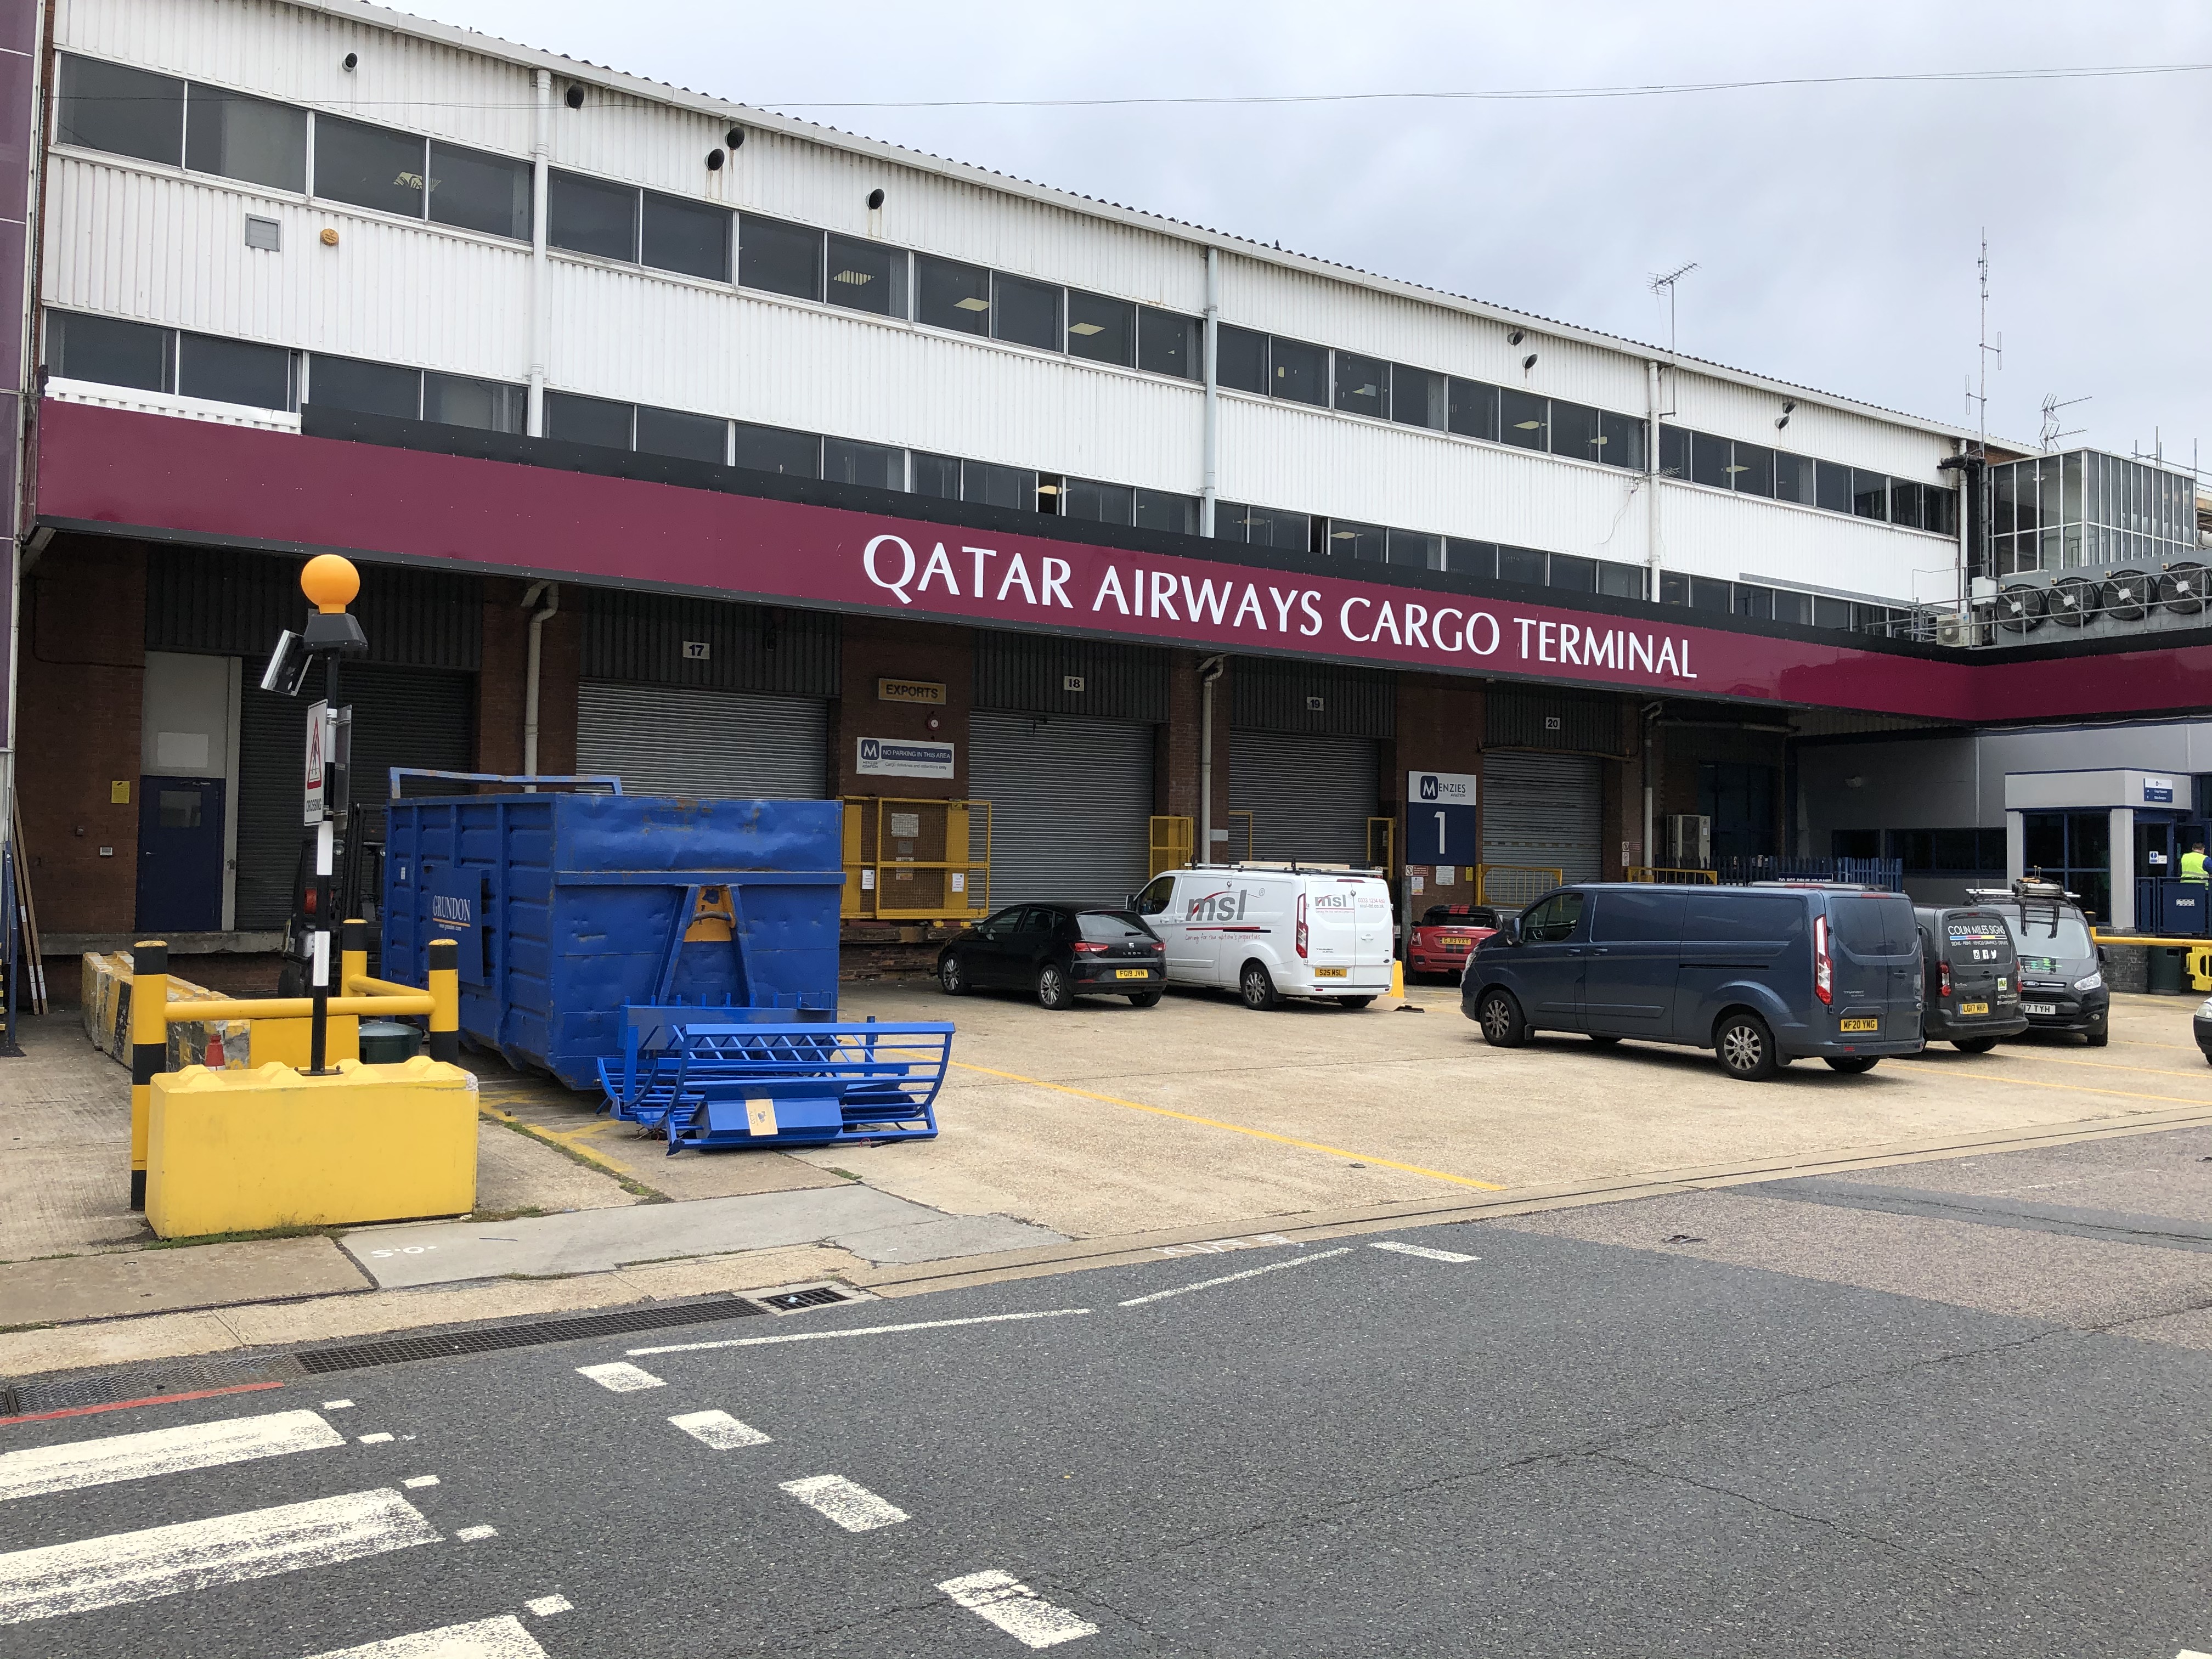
x=1440 y=823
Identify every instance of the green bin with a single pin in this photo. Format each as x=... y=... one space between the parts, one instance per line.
x=2168 y=976
x=387 y=1041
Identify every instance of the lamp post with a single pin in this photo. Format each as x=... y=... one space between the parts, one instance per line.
x=331 y=584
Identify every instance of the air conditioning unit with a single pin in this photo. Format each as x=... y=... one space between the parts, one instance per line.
x=1688 y=840
x=1950 y=629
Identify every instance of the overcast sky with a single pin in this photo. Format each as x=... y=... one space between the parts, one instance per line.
x=1835 y=228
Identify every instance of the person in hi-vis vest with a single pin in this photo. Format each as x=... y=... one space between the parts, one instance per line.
x=2192 y=866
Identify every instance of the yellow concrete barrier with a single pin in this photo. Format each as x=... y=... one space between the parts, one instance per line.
x=244 y=1151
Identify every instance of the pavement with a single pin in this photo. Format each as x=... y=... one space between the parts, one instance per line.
x=1501 y=1436
x=1103 y=1136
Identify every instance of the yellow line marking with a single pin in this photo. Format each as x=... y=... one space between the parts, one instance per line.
x=2108 y=1066
x=1235 y=1128
x=2075 y=1088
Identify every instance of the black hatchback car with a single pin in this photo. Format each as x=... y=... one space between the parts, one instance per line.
x=1057 y=952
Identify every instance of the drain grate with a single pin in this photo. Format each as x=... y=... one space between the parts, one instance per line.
x=820 y=1296
x=161 y=1378
x=147 y=1382
x=361 y=1355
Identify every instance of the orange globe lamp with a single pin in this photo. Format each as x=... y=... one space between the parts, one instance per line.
x=330 y=582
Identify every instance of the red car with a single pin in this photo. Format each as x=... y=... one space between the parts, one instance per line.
x=1444 y=935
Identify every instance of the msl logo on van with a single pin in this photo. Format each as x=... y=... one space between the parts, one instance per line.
x=1223 y=906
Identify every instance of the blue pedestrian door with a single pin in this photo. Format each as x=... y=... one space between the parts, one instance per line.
x=181 y=854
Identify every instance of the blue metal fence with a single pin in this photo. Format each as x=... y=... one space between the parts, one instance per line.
x=1888 y=874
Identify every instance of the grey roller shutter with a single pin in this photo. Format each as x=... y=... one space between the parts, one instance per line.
x=703 y=745
x=1309 y=795
x=1543 y=810
x=401 y=717
x=1071 y=801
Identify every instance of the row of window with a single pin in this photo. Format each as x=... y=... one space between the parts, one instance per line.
x=139 y=355
x=1929 y=852
x=1272 y=366
x=2057 y=512
x=1777 y=475
x=157 y=117
x=109 y=351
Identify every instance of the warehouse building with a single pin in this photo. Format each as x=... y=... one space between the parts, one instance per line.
x=735 y=455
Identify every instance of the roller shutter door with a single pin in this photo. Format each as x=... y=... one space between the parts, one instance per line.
x=1309 y=795
x=674 y=740
x=401 y=717
x=1071 y=801
x=1542 y=810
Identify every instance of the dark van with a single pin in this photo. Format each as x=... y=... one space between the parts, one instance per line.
x=1761 y=975
x=2062 y=972
x=1972 y=976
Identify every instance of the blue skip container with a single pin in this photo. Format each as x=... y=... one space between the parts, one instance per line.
x=569 y=909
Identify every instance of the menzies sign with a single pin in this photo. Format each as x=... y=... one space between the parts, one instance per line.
x=169 y=479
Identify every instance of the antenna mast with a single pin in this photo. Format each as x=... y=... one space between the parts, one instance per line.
x=1981 y=397
x=1666 y=284
x=2052 y=436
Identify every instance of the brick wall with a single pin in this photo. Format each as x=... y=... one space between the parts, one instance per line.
x=1439 y=729
x=876 y=650
x=80 y=687
x=502 y=684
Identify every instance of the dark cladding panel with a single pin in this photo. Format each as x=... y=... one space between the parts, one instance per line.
x=1050 y=674
x=1273 y=694
x=232 y=604
x=667 y=639
x=1530 y=717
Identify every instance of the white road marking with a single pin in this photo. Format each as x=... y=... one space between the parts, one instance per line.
x=420 y=1480
x=852 y=1507
x=337 y=1404
x=1221 y=1246
x=623 y=1379
x=719 y=1430
x=38 y=1470
x=375 y=1440
x=140 y=1566
x=471 y=1534
x=546 y=1606
x=1017 y=1609
x=502 y=1637
x=1421 y=1250
x=1230 y=1278
x=864 y=1330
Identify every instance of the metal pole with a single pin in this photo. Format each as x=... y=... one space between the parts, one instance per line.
x=319 y=980
x=1210 y=460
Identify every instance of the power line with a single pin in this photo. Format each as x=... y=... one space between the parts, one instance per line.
x=1510 y=94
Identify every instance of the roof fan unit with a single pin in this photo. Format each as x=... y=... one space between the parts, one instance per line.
x=2073 y=601
x=2127 y=595
x=2181 y=589
x=2020 y=608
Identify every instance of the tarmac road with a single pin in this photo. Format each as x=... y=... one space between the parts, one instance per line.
x=1682 y=1443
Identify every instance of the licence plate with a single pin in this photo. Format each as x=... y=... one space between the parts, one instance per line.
x=2045 y=1008
x=1331 y=973
x=1458 y=944
x=1132 y=973
x=1973 y=1008
x=1858 y=1025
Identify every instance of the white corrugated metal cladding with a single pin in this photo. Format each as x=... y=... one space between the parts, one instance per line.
x=152 y=242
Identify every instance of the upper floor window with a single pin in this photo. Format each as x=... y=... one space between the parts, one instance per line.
x=419 y=178
x=159 y=117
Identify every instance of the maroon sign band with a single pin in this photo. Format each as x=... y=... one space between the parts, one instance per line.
x=161 y=474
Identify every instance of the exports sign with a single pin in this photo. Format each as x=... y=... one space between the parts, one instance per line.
x=904 y=758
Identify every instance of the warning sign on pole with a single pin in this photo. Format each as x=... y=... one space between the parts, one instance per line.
x=317 y=724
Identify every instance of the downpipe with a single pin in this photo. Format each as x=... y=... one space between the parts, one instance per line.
x=1208 y=671
x=552 y=592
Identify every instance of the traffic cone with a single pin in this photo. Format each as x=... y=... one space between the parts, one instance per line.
x=1398 y=979
x=213 y=1060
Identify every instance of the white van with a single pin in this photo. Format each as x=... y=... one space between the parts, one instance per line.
x=1274 y=930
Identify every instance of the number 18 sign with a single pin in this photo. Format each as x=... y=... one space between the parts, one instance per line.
x=1440 y=822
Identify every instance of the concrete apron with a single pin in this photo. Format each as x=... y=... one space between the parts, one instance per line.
x=874 y=1225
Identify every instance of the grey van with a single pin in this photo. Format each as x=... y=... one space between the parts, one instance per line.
x=2062 y=970
x=1761 y=975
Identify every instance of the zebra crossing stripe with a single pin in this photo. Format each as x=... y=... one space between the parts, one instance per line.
x=140 y=1566
x=503 y=1637
x=38 y=1470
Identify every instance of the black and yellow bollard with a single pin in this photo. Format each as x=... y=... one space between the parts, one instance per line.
x=150 y=1049
x=445 y=960
x=353 y=954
